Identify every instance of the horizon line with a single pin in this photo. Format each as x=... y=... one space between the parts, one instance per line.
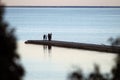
x=64 y=6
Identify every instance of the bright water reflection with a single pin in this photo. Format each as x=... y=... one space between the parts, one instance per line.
x=41 y=64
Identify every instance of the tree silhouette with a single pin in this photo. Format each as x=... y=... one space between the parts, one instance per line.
x=96 y=75
x=114 y=41
x=116 y=69
x=76 y=75
x=10 y=69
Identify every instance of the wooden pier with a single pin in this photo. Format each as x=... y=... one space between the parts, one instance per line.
x=93 y=47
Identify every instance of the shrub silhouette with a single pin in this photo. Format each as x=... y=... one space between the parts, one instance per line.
x=116 y=69
x=96 y=75
x=10 y=69
x=76 y=75
x=114 y=41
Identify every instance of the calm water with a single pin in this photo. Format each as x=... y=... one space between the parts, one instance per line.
x=88 y=25
x=56 y=64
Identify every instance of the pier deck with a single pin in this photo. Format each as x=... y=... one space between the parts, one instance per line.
x=85 y=46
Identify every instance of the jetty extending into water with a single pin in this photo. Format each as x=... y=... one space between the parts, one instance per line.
x=85 y=46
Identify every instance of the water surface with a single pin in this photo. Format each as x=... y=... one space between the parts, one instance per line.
x=56 y=64
x=85 y=25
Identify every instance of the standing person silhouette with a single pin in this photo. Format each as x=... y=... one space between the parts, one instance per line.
x=49 y=36
x=44 y=37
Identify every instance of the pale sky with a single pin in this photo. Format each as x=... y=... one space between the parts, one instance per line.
x=62 y=2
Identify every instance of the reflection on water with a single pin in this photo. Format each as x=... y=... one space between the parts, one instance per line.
x=47 y=48
x=54 y=63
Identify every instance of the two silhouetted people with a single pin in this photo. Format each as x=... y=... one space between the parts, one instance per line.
x=49 y=36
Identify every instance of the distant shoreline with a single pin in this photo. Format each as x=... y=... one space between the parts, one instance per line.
x=63 y=6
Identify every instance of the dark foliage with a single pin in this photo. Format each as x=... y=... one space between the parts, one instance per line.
x=10 y=68
x=76 y=75
x=96 y=75
x=116 y=69
x=114 y=41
